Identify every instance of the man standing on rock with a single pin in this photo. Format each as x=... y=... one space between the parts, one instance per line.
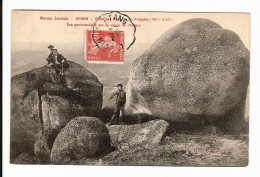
x=120 y=102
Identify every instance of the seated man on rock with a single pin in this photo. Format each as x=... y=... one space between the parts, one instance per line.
x=58 y=62
x=120 y=102
x=50 y=58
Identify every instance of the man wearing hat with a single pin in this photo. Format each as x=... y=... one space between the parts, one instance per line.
x=120 y=102
x=51 y=47
x=57 y=61
x=50 y=58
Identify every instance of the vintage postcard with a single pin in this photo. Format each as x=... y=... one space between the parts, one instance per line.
x=129 y=88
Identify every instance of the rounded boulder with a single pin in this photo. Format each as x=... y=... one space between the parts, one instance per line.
x=195 y=71
x=83 y=137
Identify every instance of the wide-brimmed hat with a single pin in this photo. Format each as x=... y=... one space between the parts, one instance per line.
x=51 y=46
x=119 y=85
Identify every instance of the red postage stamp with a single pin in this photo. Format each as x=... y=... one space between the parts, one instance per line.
x=104 y=47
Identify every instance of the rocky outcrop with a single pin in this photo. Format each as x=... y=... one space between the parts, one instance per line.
x=58 y=111
x=83 y=137
x=196 y=71
x=41 y=100
x=149 y=133
x=26 y=125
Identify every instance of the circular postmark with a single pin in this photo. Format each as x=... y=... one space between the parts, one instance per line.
x=117 y=23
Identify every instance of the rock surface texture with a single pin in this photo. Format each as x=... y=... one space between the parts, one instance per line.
x=42 y=100
x=83 y=137
x=196 y=71
x=149 y=133
x=58 y=111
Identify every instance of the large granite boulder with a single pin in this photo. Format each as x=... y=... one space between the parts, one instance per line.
x=196 y=71
x=149 y=133
x=83 y=137
x=26 y=125
x=58 y=111
x=79 y=89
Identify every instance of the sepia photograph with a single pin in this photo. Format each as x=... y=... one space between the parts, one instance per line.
x=123 y=88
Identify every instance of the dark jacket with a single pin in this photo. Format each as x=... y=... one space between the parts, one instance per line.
x=121 y=98
x=51 y=58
